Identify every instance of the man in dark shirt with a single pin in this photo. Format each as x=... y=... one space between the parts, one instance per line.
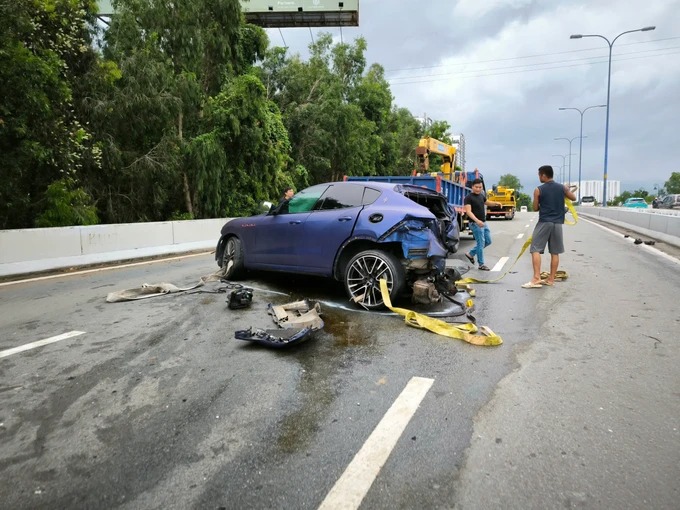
x=474 y=208
x=549 y=202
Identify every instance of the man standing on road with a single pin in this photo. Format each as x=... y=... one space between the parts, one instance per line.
x=549 y=202
x=474 y=208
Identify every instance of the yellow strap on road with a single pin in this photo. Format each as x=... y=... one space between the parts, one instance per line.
x=526 y=244
x=466 y=332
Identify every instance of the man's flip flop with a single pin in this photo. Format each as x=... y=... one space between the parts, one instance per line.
x=530 y=285
x=546 y=282
x=470 y=258
x=484 y=268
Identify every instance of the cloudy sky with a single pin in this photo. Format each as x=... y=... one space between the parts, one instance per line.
x=498 y=70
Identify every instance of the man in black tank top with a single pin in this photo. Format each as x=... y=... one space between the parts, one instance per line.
x=549 y=202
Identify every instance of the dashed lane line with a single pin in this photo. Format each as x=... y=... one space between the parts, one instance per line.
x=40 y=343
x=499 y=265
x=520 y=236
x=350 y=489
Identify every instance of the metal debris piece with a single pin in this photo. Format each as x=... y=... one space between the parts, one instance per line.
x=276 y=338
x=303 y=313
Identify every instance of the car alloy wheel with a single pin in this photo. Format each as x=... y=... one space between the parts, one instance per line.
x=363 y=275
x=232 y=260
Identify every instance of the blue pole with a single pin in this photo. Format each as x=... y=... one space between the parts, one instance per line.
x=580 y=154
x=606 y=129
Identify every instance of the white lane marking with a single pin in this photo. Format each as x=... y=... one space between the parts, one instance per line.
x=526 y=226
x=107 y=268
x=520 y=236
x=40 y=343
x=352 y=486
x=499 y=265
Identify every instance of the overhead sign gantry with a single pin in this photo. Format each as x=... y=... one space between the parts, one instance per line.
x=301 y=13
x=288 y=13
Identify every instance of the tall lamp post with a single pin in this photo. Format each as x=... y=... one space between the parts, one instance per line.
x=564 y=165
x=609 y=80
x=570 y=154
x=580 y=143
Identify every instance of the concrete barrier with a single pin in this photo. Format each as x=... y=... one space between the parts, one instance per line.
x=41 y=249
x=661 y=227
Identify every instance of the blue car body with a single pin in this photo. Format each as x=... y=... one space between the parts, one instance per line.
x=636 y=202
x=323 y=228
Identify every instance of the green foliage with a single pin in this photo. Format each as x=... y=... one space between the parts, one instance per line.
x=180 y=111
x=243 y=155
x=524 y=200
x=180 y=216
x=672 y=185
x=640 y=193
x=439 y=130
x=67 y=205
x=46 y=57
x=510 y=181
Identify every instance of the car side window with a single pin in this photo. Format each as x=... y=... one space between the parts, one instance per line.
x=370 y=196
x=305 y=200
x=341 y=197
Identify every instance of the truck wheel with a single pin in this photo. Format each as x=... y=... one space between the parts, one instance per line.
x=363 y=275
x=232 y=259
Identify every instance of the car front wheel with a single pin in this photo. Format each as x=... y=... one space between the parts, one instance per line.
x=232 y=259
x=363 y=275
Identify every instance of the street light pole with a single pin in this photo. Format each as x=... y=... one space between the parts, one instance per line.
x=580 y=142
x=570 y=140
x=564 y=165
x=609 y=79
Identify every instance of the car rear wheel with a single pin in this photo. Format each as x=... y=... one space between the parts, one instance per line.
x=232 y=259
x=363 y=275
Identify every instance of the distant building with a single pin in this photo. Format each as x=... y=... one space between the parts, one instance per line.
x=459 y=144
x=594 y=189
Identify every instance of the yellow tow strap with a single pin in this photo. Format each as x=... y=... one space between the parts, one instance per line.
x=526 y=244
x=466 y=332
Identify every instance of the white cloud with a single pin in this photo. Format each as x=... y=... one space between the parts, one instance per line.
x=499 y=70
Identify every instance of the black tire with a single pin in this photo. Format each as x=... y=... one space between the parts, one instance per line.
x=363 y=274
x=232 y=259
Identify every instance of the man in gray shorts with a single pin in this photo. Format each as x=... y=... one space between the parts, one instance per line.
x=549 y=202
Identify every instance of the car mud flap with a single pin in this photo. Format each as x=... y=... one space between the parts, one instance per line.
x=468 y=332
x=276 y=338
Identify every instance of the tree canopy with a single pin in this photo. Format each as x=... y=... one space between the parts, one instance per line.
x=180 y=110
x=672 y=185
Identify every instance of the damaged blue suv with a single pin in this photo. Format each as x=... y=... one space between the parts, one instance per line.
x=355 y=232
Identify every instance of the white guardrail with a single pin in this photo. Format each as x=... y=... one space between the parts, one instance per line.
x=42 y=249
x=658 y=224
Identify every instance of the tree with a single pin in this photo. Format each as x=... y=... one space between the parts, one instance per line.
x=510 y=181
x=524 y=200
x=672 y=185
x=174 y=57
x=324 y=103
x=46 y=54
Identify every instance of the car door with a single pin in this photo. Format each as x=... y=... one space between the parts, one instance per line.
x=328 y=226
x=278 y=234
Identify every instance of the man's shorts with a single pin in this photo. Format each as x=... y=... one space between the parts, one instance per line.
x=550 y=233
